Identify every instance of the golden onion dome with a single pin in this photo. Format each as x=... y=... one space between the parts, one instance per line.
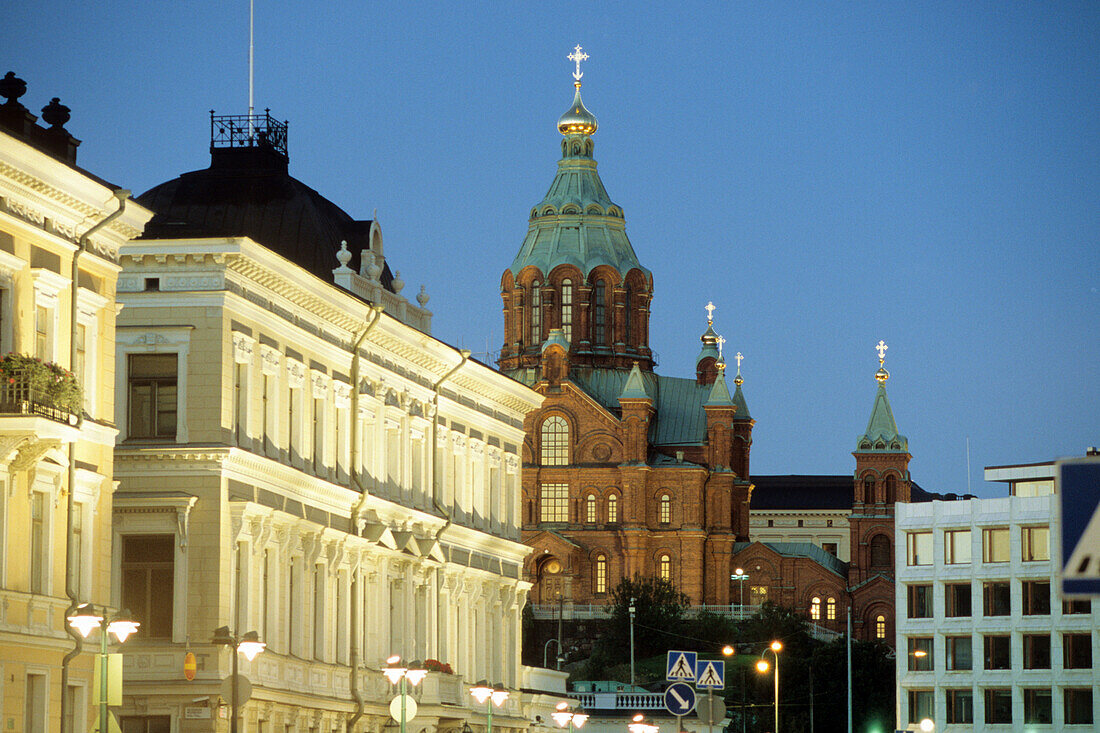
x=577 y=120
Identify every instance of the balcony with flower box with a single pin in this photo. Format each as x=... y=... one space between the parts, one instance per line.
x=40 y=408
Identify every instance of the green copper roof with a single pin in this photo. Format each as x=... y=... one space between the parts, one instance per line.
x=719 y=393
x=557 y=336
x=739 y=400
x=635 y=387
x=576 y=222
x=882 y=435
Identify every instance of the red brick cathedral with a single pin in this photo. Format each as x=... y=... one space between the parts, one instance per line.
x=629 y=472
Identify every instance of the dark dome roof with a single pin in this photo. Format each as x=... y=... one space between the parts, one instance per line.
x=247 y=192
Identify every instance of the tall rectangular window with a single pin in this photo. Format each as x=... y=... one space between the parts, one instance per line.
x=80 y=365
x=919 y=548
x=956 y=546
x=318 y=612
x=567 y=309
x=1077 y=651
x=152 y=395
x=920 y=705
x=920 y=654
x=1035 y=543
x=1078 y=705
x=265 y=595
x=76 y=562
x=536 y=313
x=294 y=426
x=998 y=706
x=998 y=653
x=293 y=600
x=1036 y=597
x=956 y=598
x=148 y=574
x=38 y=542
x=996 y=598
x=554 y=502
x=599 y=309
x=318 y=435
x=42 y=332
x=1037 y=707
x=920 y=601
x=995 y=544
x=265 y=417
x=960 y=706
x=959 y=651
x=1036 y=651
x=34 y=704
x=601 y=573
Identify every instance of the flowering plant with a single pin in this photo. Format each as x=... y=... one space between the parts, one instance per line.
x=434 y=665
x=43 y=381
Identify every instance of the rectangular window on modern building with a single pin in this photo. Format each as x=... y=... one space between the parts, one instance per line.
x=1036 y=651
x=960 y=706
x=920 y=654
x=554 y=502
x=1076 y=606
x=1036 y=597
x=1077 y=651
x=956 y=546
x=959 y=651
x=152 y=396
x=1035 y=543
x=956 y=599
x=920 y=601
x=995 y=544
x=1037 y=707
x=997 y=651
x=919 y=545
x=996 y=598
x=920 y=705
x=998 y=706
x=148 y=570
x=1078 y=705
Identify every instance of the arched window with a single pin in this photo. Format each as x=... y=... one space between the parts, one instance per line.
x=815 y=609
x=891 y=489
x=880 y=552
x=567 y=309
x=869 y=489
x=880 y=627
x=590 y=509
x=664 y=567
x=626 y=315
x=664 y=509
x=599 y=310
x=601 y=574
x=555 y=441
x=536 y=313
x=830 y=609
x=613 y=509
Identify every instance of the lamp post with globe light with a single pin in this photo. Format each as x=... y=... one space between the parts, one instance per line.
x=489 y=696
x=250 y=646
x=84 y=619
x=566 y=716
x=762 y=667
x=740 y=576
x=398 y=674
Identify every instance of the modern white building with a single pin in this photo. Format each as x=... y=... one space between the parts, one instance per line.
x=984 y=642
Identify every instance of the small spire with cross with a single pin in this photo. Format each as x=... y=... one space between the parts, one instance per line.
x=881 y=375
x=721 y=340
x=709 y=308
x=738 y=380
x=578 y=56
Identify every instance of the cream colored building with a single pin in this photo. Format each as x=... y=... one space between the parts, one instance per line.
x=293 y=460
x=50 y=449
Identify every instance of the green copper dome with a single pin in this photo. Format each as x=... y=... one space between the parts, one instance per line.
x=576 y=222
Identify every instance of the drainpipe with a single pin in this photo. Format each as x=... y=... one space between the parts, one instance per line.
x=465 y=355
x=82 y=244
x=353 y=475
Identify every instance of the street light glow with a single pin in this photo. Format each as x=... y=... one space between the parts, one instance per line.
x=762 y=666
x=85 y=619
x=776 y=646
x=123 y=629
x=728 y=650
x=927 y=725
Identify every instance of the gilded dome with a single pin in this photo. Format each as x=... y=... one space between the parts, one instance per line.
x=577 y=120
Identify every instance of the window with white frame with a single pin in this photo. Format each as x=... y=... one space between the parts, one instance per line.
x=995 y=544
x=47 y=286
x=601 y=573
x=147 y=582
x=956 y=546
x=1036 y=543
x=153 y=395
x=554 y=502
x=40 y=542
x=555 y=441
x=919 y=545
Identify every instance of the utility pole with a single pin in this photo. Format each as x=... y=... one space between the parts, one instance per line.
x=632 y=643
x=849 y=669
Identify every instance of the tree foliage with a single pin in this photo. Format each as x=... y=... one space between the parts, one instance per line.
x=658 y=614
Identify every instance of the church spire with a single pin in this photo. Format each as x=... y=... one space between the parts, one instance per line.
x=882 y=430
x=577 y=120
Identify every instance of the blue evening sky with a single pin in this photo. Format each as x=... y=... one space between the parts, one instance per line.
x=828 y=174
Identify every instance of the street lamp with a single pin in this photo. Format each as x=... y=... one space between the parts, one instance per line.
x=250 y=646
x=566 y=716
x=762 y=667
x=632 y=609
x=927 y=726
x=740 y=576
x=489 y=696
x=396 y=673
x=84 y=619
x=638 y=725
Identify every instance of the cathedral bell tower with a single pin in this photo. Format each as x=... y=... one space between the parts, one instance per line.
x=576 y=271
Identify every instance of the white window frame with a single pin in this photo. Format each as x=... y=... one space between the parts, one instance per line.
x=151 y=340
x=89 y=305
x=47 y=289
x=9 y=266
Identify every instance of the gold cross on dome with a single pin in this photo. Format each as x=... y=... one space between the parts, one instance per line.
x=721 y=340
x=709 y=308
x=881 y=349
x=577 y=56
x=738 y=358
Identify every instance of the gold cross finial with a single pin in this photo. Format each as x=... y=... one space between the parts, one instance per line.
x=709 y=308
x=881 y=349
x=577 y=56
x=738 y=358
x=721 y=340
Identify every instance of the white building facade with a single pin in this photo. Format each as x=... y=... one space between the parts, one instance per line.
x=984 y=641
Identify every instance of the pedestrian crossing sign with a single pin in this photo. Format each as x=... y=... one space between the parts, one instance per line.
x=710 y=674
x=680 y=667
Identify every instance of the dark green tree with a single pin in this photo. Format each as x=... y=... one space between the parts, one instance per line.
x=659 y=611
